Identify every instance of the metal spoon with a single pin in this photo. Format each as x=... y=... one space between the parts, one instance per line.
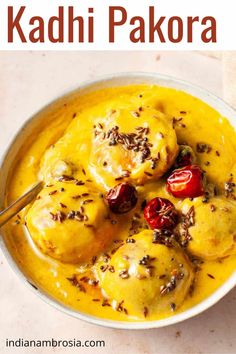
x=20 y=203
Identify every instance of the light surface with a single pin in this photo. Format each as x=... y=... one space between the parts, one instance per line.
x=18 y=304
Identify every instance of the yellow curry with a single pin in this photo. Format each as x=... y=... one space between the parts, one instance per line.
x=141 y=262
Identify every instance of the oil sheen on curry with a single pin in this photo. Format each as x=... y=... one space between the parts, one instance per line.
x=137 y=217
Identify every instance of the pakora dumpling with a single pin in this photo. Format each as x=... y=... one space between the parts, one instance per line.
x=213 y=230
x=138 y=145
x=70 y=223
x=147 y=278
x=111 y=141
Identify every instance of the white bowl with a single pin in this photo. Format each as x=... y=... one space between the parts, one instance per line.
x=31 y=125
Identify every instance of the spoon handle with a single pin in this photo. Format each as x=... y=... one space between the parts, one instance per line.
x=20 y=203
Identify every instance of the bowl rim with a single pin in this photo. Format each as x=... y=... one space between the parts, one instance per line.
x=228 y=285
